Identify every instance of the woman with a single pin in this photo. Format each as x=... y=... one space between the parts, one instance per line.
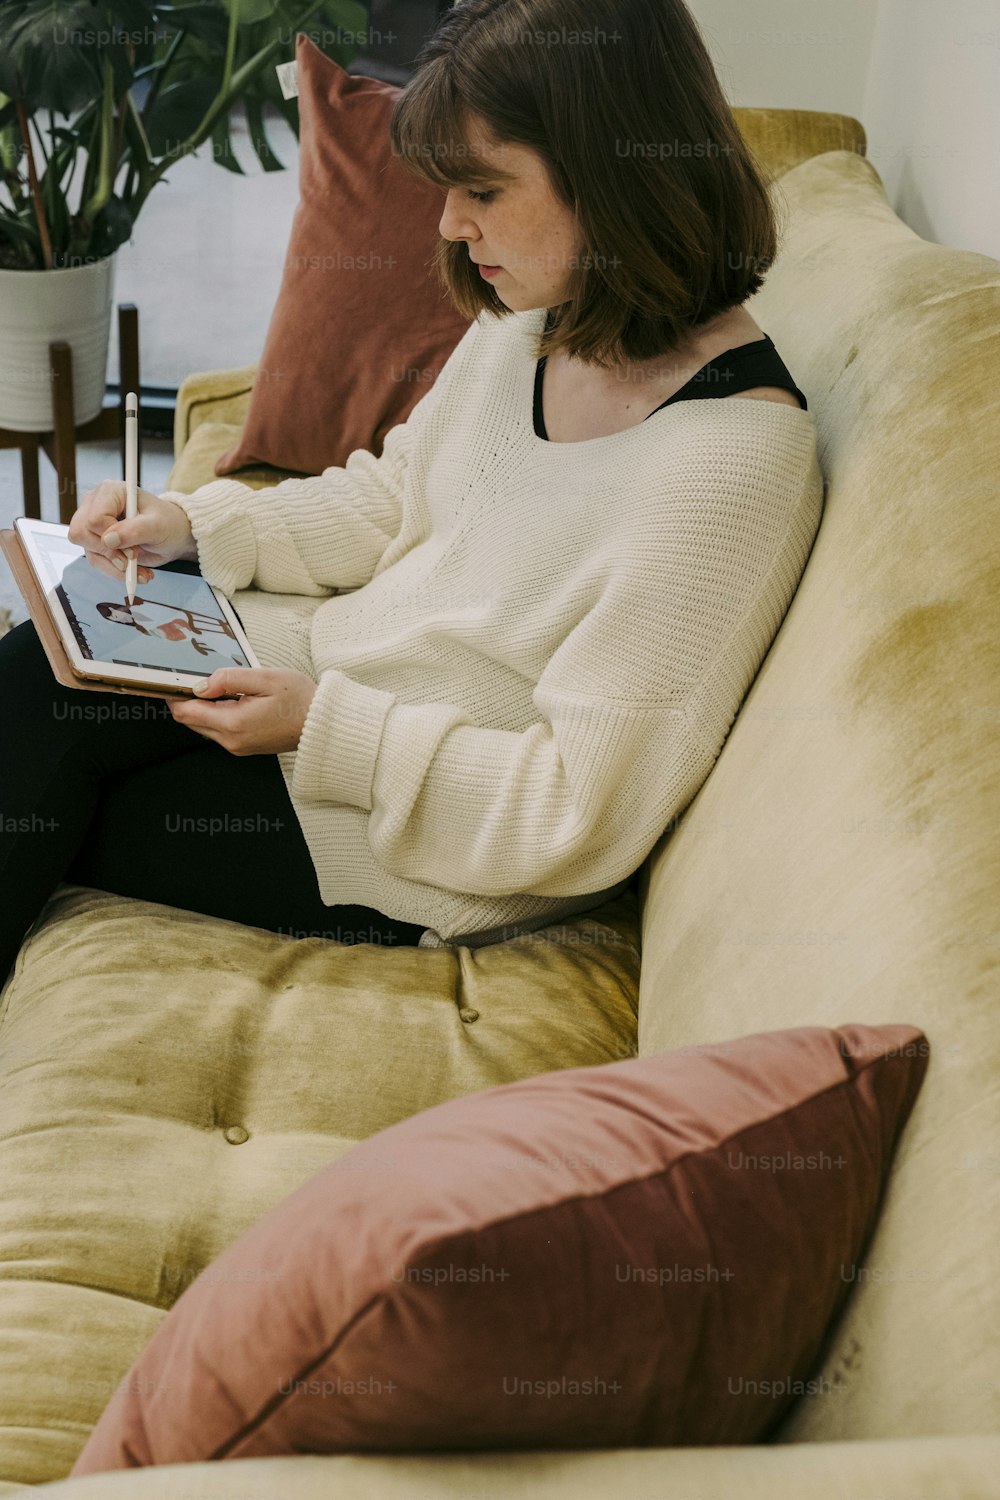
x=561 y=575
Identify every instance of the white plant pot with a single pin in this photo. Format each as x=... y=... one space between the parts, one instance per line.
x=36 y=307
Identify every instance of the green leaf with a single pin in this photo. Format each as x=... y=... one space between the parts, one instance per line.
x=258 y=136
x=23 y=236
x=11 y=11
x=222 y=147
x=57 y=65
x=102 y=183
x=135 y=16
x=8 y=79
x=112 y=227
x=140 y=154
x=240 y=83
x=64 y=156
x=205 y=21
x=54 y=206
x=249 y=10
x=354 y=17
x=68 y=144
x=177 y=112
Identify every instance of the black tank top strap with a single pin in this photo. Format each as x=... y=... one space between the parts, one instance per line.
x=739 y=369
x=539 y=419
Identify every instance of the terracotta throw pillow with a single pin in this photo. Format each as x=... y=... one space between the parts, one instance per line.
x=645 y=1252
x=361 y=327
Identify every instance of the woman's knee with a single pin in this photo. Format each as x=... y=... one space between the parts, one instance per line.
x=24 y=666
x=121 y=729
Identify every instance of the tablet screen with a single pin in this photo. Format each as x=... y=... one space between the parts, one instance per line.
x=174 y=621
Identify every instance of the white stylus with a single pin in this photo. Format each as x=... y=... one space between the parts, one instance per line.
x=131 y=497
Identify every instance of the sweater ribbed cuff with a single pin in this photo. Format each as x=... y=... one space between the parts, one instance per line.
x=223 y=532
x=339 y=743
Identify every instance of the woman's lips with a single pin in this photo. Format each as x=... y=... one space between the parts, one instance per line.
x=489 y=270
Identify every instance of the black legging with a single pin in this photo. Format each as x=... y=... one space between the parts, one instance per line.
x=108 y=790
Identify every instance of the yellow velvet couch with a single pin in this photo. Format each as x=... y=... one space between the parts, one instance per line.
x=165 y=1078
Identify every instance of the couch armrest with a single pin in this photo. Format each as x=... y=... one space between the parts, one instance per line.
x=212 y=396
x=782 y=138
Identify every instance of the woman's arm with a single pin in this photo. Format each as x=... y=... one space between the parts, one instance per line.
x=634 y=707
x=318 y=534
x=570 y=805
x=302 y=536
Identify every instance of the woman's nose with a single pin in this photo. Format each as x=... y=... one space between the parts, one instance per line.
x=452 y=225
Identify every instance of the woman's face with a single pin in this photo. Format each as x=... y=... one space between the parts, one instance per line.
x=522 y=227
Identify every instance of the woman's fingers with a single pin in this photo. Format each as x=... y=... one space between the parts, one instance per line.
x=97 y=513
x=103 y=564
x=108 y=566
x=99 y=525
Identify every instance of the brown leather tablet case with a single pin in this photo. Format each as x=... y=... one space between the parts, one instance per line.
x=24 y=577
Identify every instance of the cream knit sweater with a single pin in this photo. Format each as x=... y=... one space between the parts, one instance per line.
x=528 y=653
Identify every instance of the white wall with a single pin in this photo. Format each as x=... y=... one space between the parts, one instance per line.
x=932 y=108
x=922 y=76
x=791 y=54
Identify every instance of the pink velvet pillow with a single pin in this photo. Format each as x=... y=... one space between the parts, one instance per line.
x=361 y=327
x=645 y=1252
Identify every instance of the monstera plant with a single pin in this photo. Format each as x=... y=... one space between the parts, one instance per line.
x=98 y=99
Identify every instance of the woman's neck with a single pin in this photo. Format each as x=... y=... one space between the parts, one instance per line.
x=726 y=331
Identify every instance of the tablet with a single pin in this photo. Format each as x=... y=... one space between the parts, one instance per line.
x=178 y=628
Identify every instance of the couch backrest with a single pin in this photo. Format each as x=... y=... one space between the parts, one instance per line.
x=782 y=138
x=840 y=862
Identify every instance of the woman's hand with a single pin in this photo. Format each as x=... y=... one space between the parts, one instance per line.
x=267 y=718
x=160 y=532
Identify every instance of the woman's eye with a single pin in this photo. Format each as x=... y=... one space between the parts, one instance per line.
x=481 y=197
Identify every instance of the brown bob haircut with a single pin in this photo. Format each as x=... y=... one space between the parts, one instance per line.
x=622 y=103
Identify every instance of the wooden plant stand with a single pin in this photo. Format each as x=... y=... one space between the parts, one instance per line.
x=60 y=443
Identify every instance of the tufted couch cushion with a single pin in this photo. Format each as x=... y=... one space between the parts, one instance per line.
x=166 y=1077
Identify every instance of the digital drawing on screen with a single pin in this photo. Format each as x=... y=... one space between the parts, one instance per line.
x=174 y=621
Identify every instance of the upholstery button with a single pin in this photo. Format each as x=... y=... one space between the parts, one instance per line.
x=236 y=1135
x=467 y=1014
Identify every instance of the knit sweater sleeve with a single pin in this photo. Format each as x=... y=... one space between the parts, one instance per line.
x=318 y=534
x=633 y=707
